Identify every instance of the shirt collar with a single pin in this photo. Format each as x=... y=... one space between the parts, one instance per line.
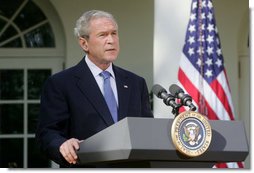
x=96 y=70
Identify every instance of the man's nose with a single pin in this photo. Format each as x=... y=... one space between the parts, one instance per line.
x=110 y=38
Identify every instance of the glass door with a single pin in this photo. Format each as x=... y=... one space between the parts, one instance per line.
x=21 y=81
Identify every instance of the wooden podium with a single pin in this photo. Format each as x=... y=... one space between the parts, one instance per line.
x=146 y=142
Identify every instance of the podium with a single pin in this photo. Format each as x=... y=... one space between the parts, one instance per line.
x=146 y=143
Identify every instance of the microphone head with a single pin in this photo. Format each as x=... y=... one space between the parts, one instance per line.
x=157 y=90
x=175 y=90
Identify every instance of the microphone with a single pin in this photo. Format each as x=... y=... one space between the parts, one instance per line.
x=186 y=99
x=161 y=93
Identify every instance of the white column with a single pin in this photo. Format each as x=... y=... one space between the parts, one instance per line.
x=171 y=20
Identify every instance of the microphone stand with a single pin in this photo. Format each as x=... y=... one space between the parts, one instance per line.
x=175 y=110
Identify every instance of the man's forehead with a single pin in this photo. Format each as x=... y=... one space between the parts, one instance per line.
x=103 y=24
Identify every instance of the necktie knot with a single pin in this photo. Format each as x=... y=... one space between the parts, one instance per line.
x=105 y=74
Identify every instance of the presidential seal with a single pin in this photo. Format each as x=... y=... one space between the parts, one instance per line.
x=191 y=133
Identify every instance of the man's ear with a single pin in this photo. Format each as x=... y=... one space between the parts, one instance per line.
x=83 y=43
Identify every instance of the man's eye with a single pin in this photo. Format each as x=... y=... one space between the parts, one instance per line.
x=102 y=35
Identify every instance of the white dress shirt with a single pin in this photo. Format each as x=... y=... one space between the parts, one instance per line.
x=96 y=73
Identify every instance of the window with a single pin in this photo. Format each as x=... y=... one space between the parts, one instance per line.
x=20 y=88
x=19 y=106
x=32 y=49
x=23 y=24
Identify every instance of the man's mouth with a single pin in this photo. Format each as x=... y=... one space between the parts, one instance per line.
x=110 y=50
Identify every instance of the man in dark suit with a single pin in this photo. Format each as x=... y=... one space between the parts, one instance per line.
x=73 y=102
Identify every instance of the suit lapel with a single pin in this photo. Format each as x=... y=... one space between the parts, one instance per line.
x=123 y=90
x=88 y=86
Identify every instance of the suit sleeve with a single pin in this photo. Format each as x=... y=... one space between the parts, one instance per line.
x=52 y=122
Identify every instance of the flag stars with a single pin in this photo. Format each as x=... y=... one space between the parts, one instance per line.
x=203 y=27
x=203 y=3
x=209 y=50
x=210 y=5
x=203 y=16
x=194 y=5
x=218 y=63
x=210 y=16
x=191 y=51
x=192 y=28
x=191 y=40
x=209 y=73
x=209 y=62
x=210 y=27
x=199 y=62
x=192 y=16
x=209 y=39
x=202 y=45
x=218 y=51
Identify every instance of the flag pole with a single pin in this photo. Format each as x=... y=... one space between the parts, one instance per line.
x=201 y=100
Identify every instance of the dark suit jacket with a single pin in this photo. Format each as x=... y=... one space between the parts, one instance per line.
x=72 y=106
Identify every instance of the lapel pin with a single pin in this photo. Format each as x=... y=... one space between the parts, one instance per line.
x=125 y=86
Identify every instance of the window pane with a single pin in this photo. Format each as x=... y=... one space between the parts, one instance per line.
x=36 y=78
x=11 y=153
x=36 y=159
x=11 y=84
x=15 y=43
x=9 y=32
x=29 y=16
x=9 y=7
x=40 y=37
x=11 y=118
x=2 y=23
x=33 y=111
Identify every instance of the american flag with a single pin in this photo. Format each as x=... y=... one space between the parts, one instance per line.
x=202 y=73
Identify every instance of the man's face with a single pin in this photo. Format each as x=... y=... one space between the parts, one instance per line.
x=102 y=47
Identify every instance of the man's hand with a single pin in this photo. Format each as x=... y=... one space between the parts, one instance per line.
x=68 y=150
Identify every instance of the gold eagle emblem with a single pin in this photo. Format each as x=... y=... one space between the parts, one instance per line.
x=191 y=134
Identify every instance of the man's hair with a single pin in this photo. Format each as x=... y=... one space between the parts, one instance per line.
x=83 y=23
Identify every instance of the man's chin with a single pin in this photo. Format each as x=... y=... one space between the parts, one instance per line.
x=111 y=58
